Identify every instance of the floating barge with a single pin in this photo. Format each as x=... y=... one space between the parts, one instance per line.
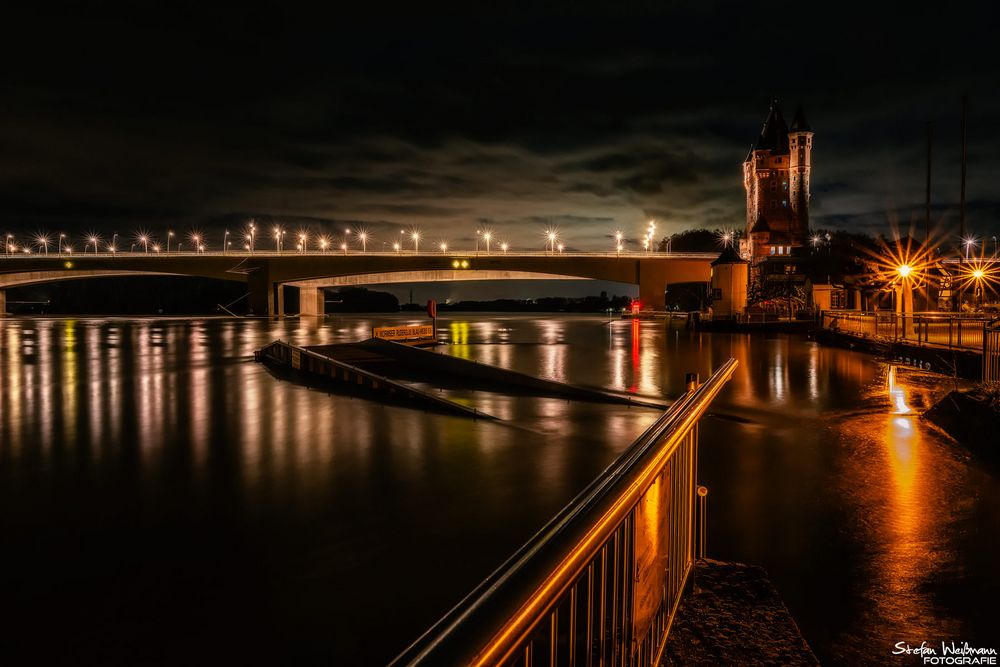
x=365 y=368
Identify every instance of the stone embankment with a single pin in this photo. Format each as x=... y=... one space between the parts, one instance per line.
x=735 y=616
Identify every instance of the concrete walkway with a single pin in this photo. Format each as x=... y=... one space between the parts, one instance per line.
x=735 y=617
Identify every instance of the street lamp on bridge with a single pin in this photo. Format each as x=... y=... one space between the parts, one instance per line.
x=364 y=241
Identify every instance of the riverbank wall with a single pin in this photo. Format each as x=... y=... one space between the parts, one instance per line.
x=953 y=362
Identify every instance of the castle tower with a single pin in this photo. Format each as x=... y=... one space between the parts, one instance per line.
x=776 y=179
x=800 y=164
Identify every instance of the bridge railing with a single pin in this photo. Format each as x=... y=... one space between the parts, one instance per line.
x=600 y=583
x=354 y=252
x=952 y=330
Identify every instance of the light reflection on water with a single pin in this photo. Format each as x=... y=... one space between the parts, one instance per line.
x=299 y=517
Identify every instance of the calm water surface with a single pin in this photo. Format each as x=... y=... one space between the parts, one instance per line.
x=164 y=499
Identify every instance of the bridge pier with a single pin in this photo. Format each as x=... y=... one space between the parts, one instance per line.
x=312 y=301
x=3 y=302
x=652 y=279
x=266 y=297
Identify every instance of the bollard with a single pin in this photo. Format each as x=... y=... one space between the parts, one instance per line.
x=702 y=523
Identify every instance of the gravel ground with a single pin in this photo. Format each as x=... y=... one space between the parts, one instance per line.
x=735 y=617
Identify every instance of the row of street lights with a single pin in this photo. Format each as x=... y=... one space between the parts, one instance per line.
x=484 y=237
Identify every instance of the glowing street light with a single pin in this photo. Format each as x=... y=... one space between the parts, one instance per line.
x=277 y=239
x=444 y=247
x=904 y=270
x=196 y=240
x=618 y=241
x=156 y=248
x=323 y=243
x=91 y=240
x=43 y=242
x=487 y=235
x=552 y=236
x=364 y=241
x=343 y=246
x=170 y=235
x=114 y=240
x=396 y=246
x=969 y=242
x=144 y=240
x=561 y=248
x=416 y=241
x=251 y=232
x=503 y=246
x=303 y=241
x=61 y=237
x=225 y=242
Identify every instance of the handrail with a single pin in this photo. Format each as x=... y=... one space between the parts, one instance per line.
x=496 y=618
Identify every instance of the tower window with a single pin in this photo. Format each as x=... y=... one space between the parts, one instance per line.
x=772 y=250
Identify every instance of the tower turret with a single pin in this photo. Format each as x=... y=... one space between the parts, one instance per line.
x=800 y=164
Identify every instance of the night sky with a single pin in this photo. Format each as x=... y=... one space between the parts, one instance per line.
x=186 y=117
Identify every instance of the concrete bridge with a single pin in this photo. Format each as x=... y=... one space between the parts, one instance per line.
x=266 y=274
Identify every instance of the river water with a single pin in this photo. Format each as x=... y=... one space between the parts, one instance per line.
x=165 y=500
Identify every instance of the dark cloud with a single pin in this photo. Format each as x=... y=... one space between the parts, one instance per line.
x=590 y=119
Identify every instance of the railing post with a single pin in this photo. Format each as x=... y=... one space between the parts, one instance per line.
x=702 y=520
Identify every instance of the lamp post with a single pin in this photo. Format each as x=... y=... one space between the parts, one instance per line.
x=253 y=231
x=486 y=237
x=618 y=242
x=114 y=239
x=61 y=237
x=225 y=242
x=145 y=243
x=10 y=242
x=552 y=236
x=444 y=247
x=364 y=241
x=170 y=235
x=504 y=246
x=416 y=242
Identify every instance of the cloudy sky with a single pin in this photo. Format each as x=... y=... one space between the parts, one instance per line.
x=177 y=116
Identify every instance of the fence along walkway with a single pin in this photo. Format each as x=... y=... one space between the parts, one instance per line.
x=991 y=354
x=600 y=584
x=949 y=330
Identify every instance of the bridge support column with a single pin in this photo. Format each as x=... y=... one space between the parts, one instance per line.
x=652 y=281
x=261 y=297
x=312 y=301
x=278 y=299
x=3 y=302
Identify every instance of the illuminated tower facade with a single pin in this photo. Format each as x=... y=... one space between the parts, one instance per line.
x=776 y=176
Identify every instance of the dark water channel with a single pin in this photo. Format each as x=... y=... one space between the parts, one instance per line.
x=165 y=500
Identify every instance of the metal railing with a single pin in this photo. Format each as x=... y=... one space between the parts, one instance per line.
x=601 y=583
x=357 y=252
x=952 y=330
x=991 y=353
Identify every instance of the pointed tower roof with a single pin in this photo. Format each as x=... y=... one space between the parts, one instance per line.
x=761 y=225
x=799 y=123
x=774 y=134
x=729 y=256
